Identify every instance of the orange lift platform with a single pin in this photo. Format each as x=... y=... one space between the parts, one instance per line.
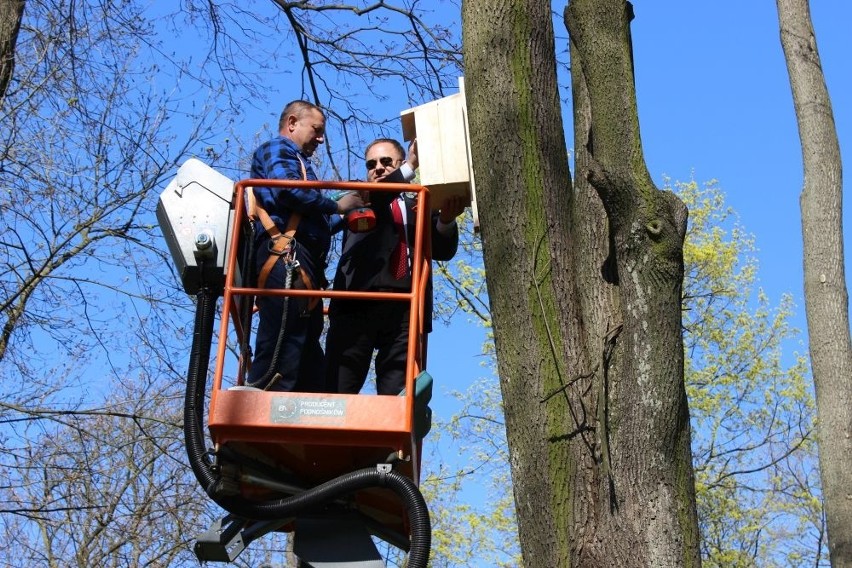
x=333 y=469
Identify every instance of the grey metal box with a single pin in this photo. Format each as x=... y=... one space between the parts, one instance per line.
x=195 y=213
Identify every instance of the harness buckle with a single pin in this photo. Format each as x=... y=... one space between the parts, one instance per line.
x=270 y=245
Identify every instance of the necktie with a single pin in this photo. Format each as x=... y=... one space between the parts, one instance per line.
x=398 y=263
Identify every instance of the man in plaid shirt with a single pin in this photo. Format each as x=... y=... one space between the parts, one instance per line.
x=288 y=355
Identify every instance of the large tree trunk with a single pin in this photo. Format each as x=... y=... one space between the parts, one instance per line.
x=521 y=165
x=826 y=297
x=585 y=291
x=11 y=14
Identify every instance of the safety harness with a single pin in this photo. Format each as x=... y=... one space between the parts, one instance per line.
x=281 y=247
x=280 y=244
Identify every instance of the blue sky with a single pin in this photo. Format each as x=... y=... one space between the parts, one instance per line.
x=714 y=99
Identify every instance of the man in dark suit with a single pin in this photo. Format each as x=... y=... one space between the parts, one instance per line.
x=372 y=261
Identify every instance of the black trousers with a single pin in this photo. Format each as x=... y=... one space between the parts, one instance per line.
x=292 y=356
x=356 y=330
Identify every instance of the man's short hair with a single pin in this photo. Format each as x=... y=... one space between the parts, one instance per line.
x=297 y=108
x=391 y=141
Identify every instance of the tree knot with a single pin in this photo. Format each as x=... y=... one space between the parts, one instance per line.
x=654 y=227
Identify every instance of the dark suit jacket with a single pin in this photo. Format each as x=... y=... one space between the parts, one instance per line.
x=363 y=263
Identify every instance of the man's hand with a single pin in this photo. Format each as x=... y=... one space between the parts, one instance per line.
x=453 y=207
x=412 y=159
x=348 y=202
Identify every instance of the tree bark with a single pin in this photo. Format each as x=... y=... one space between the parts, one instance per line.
x=585 y=289
x=11 y=14
x=519 y=150
x=826 y=296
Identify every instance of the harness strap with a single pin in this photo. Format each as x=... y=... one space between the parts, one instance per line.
x=279 y=244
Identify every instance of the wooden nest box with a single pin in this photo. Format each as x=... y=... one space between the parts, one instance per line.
x=443 y=147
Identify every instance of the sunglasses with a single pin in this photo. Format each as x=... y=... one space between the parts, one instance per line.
x=386 y=161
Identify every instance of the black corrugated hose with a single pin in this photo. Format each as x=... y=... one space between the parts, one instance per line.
x=415 y=505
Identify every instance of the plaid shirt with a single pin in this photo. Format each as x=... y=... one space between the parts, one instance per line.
x=280 y=158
